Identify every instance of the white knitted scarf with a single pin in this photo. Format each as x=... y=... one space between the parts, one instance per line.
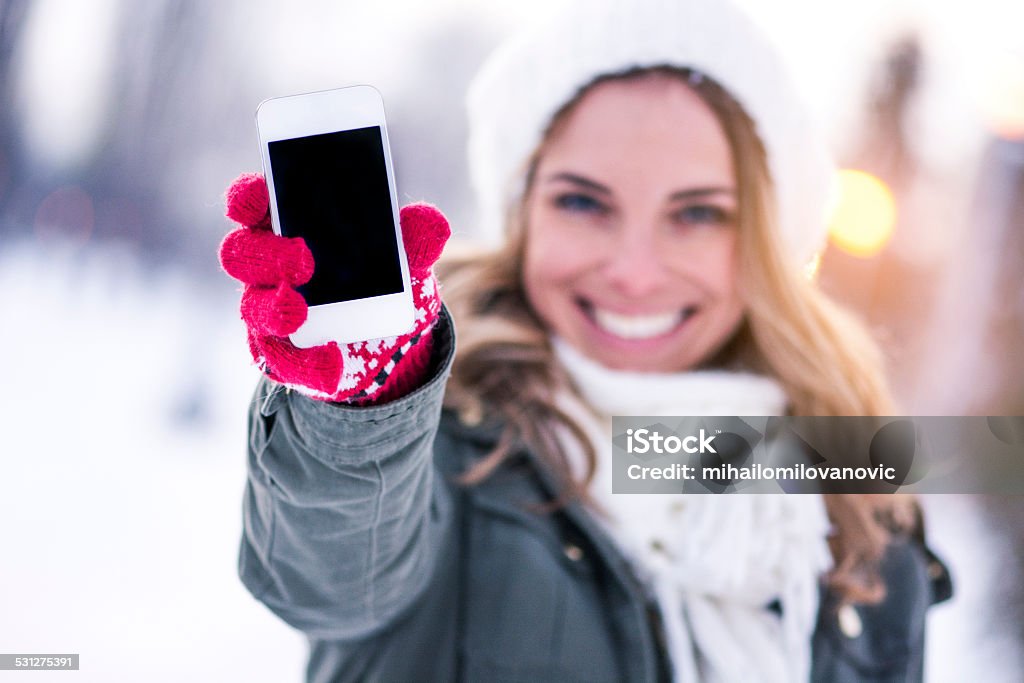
x=714 y=563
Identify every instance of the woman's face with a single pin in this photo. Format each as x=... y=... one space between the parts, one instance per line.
x=631 y=228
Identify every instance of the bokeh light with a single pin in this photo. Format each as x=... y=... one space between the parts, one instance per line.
x=813 y=267
x=1002 y=101
x=864 y=215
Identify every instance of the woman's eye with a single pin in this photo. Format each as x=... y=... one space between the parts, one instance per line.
x=579 y=203
x=706 y=214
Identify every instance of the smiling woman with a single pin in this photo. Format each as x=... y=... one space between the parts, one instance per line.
x=631 y=244
x=661 y=195
x=644 y=273
x=656 y=250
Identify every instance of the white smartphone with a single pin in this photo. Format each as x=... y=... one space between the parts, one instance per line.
x=328 y=168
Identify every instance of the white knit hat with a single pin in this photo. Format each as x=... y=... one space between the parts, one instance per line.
x=528 y=79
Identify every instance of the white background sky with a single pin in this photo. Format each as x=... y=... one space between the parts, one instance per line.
x=829 y=43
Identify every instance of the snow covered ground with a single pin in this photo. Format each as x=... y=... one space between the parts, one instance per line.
x=122 y=435
x=122 y=465
x=968 y=638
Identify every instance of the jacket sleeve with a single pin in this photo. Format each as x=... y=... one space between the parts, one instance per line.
x=884 y=642
x=343 y=509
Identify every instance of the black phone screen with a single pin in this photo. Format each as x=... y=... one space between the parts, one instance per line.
x=332 y=190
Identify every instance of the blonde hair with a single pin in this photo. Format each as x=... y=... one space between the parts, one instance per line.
x=823 y=357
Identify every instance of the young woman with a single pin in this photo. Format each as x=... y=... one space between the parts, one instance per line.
x=427 y=515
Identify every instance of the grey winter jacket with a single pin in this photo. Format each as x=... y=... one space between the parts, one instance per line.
x=356 y=534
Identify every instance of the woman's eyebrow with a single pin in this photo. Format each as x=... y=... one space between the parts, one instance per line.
x=581 y=181
x=700 y=192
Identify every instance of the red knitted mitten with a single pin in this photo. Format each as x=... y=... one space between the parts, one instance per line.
x=271 y=266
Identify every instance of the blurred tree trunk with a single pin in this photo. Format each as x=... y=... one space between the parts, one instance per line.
x=12 y=20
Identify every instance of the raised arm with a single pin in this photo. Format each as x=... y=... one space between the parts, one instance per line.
x=342 y=511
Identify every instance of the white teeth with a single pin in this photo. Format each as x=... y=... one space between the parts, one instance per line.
x=637 y=326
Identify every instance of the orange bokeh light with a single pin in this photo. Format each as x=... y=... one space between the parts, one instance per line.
x=864 y=215
x=1002 y=102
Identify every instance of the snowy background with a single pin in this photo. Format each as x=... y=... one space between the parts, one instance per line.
x=124 y=368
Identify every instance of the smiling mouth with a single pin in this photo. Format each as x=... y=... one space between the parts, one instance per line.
x=636 y=327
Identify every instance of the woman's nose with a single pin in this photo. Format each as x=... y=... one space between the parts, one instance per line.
x=635 y=268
